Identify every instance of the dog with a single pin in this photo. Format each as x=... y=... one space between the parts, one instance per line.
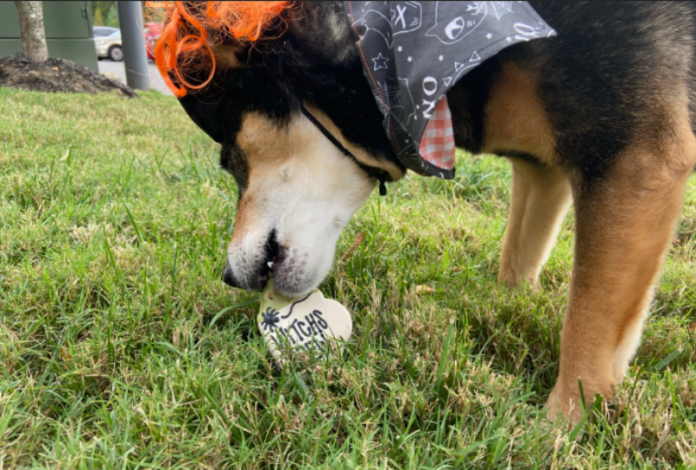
x=601 y=116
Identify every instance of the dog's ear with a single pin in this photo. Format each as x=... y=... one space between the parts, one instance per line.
x=204 y=106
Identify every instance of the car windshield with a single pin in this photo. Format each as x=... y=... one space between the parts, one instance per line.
x=106 y=32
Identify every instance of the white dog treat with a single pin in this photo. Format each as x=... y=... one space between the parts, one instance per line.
x=308 y=324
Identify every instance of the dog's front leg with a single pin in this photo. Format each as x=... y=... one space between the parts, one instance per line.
x=540 y=198
x=624 y=226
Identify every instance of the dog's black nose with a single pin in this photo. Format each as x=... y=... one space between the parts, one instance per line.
x=227 y=277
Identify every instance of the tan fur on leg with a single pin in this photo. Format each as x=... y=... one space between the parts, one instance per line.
x=540 y=198
x=625 y=224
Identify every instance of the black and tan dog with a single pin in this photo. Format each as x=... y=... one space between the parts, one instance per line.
x=600 y=115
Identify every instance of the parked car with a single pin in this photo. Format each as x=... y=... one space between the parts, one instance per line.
x=108 y=43
x=152 y=33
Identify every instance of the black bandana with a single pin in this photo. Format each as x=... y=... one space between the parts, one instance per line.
x=413 y=52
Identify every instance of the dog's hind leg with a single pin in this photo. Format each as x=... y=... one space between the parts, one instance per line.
x=625 y=222
x=541 y=196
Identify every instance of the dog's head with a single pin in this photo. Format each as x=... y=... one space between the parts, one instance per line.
x=297 y=190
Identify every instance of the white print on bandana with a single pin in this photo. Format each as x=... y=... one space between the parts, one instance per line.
x=414 y=52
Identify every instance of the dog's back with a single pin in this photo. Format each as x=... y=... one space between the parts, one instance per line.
x=608 y=76
x=617 y=63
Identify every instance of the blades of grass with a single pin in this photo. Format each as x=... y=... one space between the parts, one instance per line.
x=665 y=362
x=630 y=395
x=576 y=430
x=443 y=360
x=466 y=451
x=303 y=386
x=35 y=326
x=50 y=172
x=134 y=223
x=442 y=427
x=366 y=343
x=190 y=157
x=173 y=272
x=410 y=368
x=675 y=415
x=66 y=156
x=230 y=308
x=112 y=260
x=171 y=348
x=582 y=396
x=128 y=176
x=411 y=420
x=214 y=404
x=499 y=446
x=159 y=161
x=597 y=404
x=111 y=352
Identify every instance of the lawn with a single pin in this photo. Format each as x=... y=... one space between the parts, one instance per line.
x=120 y=347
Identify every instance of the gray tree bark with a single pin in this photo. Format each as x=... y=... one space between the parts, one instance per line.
x=31 y=26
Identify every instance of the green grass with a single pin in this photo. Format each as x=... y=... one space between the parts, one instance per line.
x=120 y=347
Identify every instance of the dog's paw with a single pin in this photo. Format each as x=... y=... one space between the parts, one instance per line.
x=566 y=402
x=565 y=407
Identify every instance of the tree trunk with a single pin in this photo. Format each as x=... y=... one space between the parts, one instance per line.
x=31 y=25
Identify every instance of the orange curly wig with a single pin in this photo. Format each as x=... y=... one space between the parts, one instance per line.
x=190 y=29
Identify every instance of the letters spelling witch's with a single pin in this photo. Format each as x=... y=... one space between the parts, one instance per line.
x=305 y=324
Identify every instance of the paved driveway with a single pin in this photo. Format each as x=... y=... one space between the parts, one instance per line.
x=106 y=65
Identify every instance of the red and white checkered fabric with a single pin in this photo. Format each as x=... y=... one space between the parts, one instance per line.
x=437 y=143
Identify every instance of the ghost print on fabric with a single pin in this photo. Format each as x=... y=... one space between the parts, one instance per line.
x=413 y=52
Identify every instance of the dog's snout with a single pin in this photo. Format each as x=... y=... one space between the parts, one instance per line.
x=248 y=270
x=227 y=276
x=273 y=249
